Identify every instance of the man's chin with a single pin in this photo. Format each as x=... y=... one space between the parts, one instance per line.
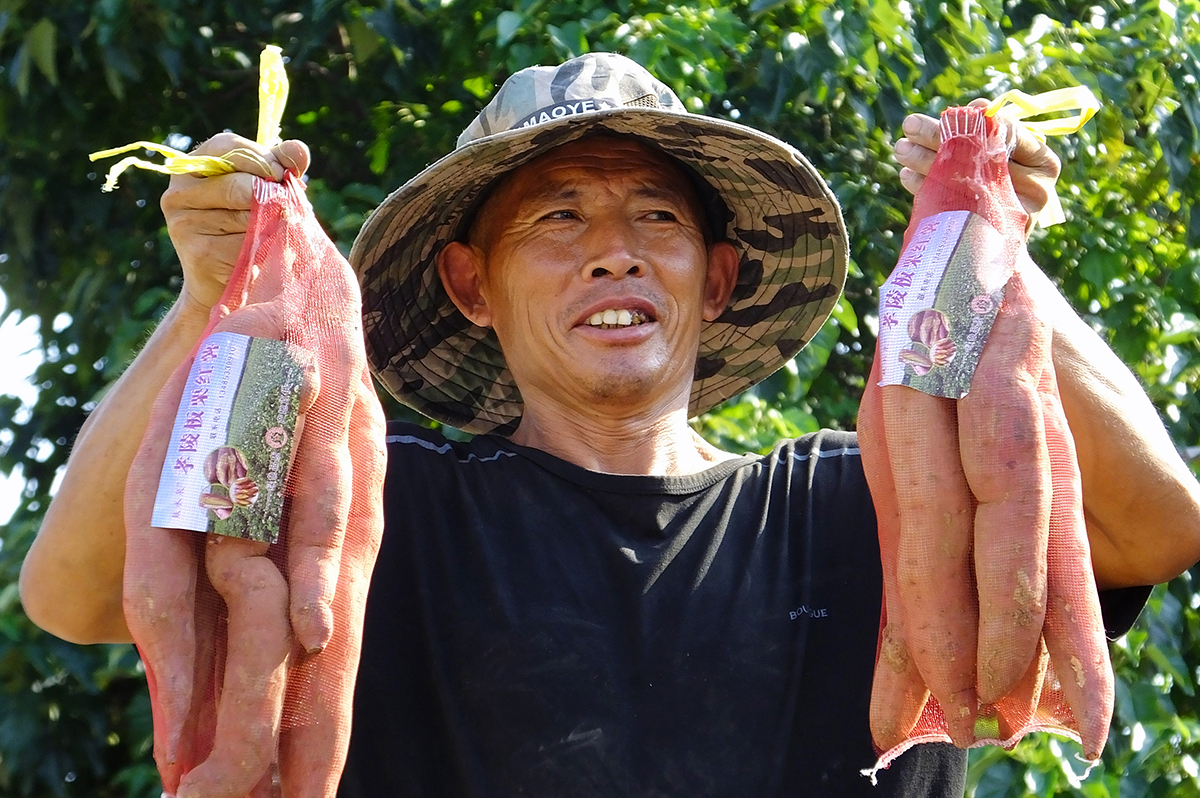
x=624 y=383
x=625 y=390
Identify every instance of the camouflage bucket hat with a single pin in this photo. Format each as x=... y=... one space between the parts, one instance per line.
x=783 y=219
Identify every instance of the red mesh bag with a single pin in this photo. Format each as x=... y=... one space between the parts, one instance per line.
x=991 y=623
x=251 y=648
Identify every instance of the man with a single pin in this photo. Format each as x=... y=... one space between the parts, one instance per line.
x=595 y=601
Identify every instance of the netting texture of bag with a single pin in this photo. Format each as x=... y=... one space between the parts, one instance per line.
x=250 y=648
x=991 y=624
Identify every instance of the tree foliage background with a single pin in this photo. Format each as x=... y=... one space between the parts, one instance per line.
x=381 y=88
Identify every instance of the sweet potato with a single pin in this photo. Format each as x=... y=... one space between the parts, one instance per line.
x=1074 y=627
x=255 y=663
x=935 y=585
x=259 y=696
x=1018 y=708
x=159 y=590
x=898 y=694
x=1004 y=457
x=326 y=729
x=321 y=482
x=1023 y=562
x=160 y=584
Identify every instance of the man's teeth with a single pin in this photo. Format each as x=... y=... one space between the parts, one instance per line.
x=609 y=319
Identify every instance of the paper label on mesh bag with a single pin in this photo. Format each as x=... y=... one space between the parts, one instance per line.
x=937 y=307
x=233 y=439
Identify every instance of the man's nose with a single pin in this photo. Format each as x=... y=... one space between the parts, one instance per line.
x=613 y=251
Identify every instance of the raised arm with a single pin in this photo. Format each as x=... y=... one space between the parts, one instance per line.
x=71 y=579
x=1141 y=502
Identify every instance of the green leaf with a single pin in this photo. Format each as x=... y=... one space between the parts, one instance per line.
x=115 y=83
x=19 y=70
x=364 y=40
x=1100 y=267
x=41 y=41
x=844 y=315
x=1000 y=780
x=759 y=7
x=507 y=26
x=480 y=86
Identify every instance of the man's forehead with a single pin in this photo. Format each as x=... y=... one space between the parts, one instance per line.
x=551 y=174
x=568 y=166
x=579 y=182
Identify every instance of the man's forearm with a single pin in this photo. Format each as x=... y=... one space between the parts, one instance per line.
x=1141 y=501
x=71 y=579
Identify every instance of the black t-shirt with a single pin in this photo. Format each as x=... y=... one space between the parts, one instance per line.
x=537 y=629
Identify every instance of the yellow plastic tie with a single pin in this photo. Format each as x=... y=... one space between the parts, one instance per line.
x=272 y=97
x=1018 y=106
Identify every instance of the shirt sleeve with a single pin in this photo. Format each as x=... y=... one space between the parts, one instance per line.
x=1121 y=607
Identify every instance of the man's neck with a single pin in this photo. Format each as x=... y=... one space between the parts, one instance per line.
x=647 y=444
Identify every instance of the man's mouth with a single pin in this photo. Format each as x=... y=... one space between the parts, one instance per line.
x=612 y=319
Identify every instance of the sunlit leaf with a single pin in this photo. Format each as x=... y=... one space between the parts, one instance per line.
x=41 y=41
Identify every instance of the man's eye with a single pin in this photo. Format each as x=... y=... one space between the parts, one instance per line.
x=561 y=214
x=662 y=216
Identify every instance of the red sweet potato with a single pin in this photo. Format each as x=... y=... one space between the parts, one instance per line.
x=898 y=694
x=1074 y=628
x=1005 y=460
x=935 y=585
x=321 y=480
x=1018 y=708
x=260 y=695
x=159 y=590
x=255 y=670
x=327 y=727
x=161 y=569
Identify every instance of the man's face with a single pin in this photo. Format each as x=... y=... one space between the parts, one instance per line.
x=593 y=271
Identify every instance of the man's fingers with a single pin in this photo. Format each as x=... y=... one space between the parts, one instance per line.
x=216 y=222
x=1033 y=165
x=1034 y=154
x=224 y=142
x=293 y=155
x=1034 y=168
x=252 y=158
x=219 y=251
x=1033 y=188
x=911 y=180
x=254 y=162
x=320 y=487
x=232 y=192
x=914 y=157
x=246 y=155
x=916 y=151
x=207 y=219
x=923 y=130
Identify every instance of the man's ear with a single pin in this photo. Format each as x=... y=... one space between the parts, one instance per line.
x=461 y=268
x=721 y=278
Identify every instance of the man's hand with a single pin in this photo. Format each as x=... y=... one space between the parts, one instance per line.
x=1033 y=165
x=206 y=216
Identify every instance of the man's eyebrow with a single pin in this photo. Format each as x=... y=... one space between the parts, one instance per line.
x=553 y=192
x=660 y=193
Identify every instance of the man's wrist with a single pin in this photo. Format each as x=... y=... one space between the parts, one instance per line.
x=189 y=312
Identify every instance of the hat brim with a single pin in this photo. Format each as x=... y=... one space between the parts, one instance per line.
x=786 y=225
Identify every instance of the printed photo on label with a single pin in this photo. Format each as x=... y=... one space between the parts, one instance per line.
x=234 y=438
